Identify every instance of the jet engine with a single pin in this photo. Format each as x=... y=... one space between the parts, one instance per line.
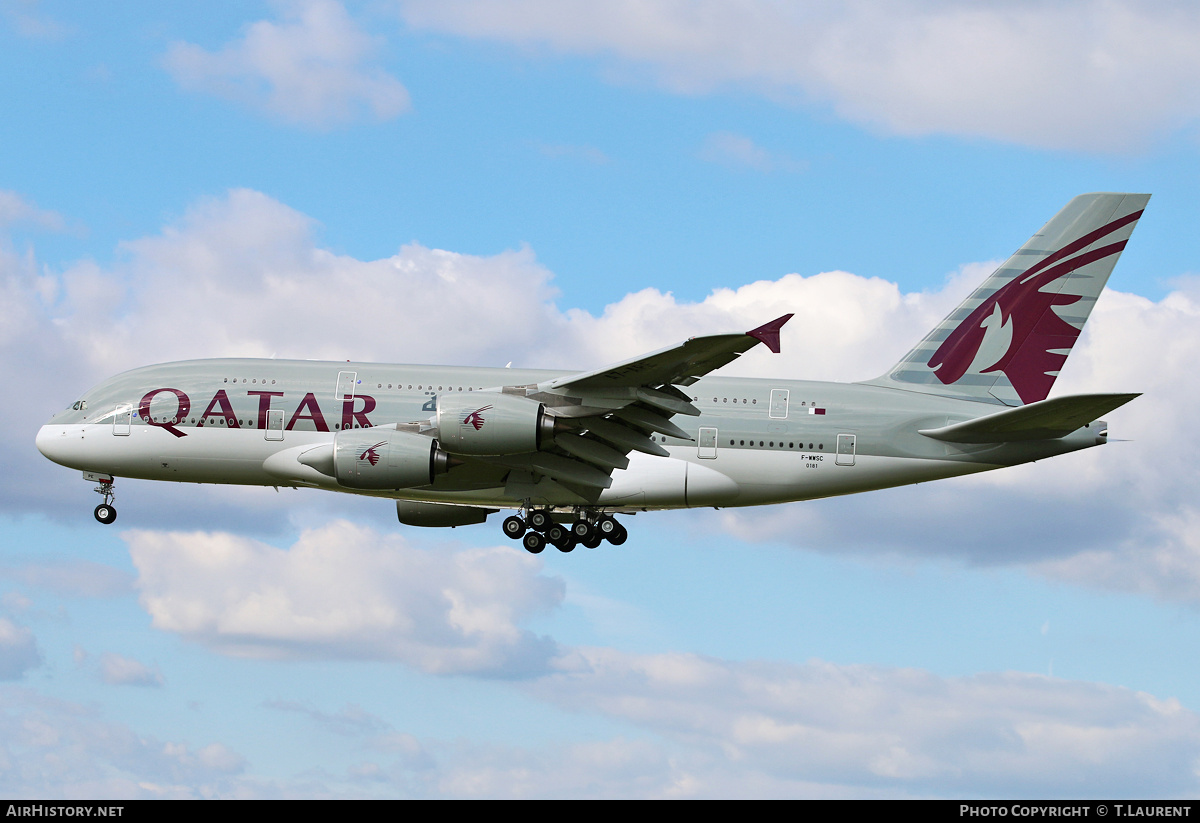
x=379 y=458
x=492 y=424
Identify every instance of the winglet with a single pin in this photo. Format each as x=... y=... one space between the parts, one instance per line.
x=769 y=332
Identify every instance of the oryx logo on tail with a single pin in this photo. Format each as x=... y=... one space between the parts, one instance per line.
x=475 y=418
x=1016 y=330
x=371 y=455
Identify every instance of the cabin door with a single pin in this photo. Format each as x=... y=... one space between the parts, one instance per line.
x=845 y=450
x=121 y=420
x=345 y=385
x=779 y=404
x=274 y=429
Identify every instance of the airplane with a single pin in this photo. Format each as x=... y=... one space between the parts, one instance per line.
x=568 y=451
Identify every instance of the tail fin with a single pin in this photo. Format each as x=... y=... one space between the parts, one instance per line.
x=1008 y=340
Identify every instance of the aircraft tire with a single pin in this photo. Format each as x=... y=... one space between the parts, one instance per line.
x=105 y=513
x=581 y=529
x=540 y=520
x=620 y=537
x=568 y=545
x=557 y=535
x=594 y=540
x=514 y=527
x=607 y=526
x=533 y=542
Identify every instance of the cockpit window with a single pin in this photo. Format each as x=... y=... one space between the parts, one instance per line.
x=80 y=405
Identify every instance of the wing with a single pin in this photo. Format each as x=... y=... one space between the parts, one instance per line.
x=602 y=415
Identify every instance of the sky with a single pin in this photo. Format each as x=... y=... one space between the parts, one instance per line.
x=562 y=185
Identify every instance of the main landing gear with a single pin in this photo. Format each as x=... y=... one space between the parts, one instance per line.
x=538 y=528
x=106 y=513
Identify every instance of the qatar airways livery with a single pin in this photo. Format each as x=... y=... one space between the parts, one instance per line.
x=568 y=451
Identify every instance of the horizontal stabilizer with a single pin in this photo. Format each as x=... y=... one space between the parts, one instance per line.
x=1044 y=420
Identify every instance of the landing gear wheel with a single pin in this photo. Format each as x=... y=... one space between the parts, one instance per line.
x=105 y=513
x=533 y=542
x=557 y=536
x=620 y=537
x=569 y=544
x=540 y=520
x=594 y=540
x=514 y=527
x=582 y=530
x=607 y=526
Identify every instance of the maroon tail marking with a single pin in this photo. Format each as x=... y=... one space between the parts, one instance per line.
x=1036 y=328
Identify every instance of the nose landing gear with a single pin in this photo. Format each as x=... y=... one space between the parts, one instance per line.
x=106 y=513
x=590 y=529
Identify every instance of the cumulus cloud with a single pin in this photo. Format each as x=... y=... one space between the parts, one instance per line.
x=345 y=591
x=314 y=68
x=1107 y=76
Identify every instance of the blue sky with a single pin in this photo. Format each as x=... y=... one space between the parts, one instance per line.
x=562 y=185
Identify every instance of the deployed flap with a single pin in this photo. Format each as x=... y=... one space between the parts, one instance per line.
x=694 y=357
x=1044 y=420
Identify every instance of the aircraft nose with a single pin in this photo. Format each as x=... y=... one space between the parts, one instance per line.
x=55 y=443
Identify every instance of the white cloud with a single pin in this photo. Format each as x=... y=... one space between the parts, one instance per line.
x=16 y=209
x=345 y=591
x=705 y=727
x=55 y=748
x=117 y=670
x=1068 y=74
x=738 y=150
x=250 y=265
x=856 y=729
x=313 y=68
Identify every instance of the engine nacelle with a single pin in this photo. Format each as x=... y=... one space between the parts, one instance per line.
x=379 y=458
x=492 y=424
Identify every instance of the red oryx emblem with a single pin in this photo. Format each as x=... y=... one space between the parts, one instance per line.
x=475 y=418
x=370 y=455
x=1032 y=341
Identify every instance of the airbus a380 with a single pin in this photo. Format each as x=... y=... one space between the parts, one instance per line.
x=570 y=450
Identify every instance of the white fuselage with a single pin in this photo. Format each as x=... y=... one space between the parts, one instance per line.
x=755 y=442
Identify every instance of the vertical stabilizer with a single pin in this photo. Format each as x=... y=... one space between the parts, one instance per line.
x=1008 y=340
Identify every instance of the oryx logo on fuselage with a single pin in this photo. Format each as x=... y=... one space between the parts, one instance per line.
x=1024 y=337
x=475 y=418
x=371 y=455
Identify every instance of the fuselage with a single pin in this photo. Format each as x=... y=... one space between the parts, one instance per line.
x=756 y=441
